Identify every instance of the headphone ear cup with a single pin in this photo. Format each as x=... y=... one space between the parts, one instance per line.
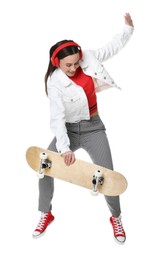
x=55 y=61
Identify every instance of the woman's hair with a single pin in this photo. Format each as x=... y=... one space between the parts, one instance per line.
x=69 y=50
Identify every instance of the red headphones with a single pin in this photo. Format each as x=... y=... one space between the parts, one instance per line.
x=55 y=60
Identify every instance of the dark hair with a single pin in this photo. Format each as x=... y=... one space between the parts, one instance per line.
x=61 y=54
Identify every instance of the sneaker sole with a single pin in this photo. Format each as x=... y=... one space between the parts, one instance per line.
x=118 y=242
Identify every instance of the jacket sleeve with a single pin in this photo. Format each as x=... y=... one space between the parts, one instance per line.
x=115 y=45
x=57 y=119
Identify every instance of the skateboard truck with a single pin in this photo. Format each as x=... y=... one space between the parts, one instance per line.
x=97 y=179
x=44 y=164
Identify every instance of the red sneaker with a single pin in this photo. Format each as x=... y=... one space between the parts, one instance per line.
x=119 y=232
x=46 y=219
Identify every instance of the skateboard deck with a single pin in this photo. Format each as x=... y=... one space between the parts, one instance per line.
x=85 y=174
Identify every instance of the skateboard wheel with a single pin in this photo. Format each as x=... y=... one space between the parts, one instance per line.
x=94 y=193
x=98 y=173
x=43 y=156
x=40 y=175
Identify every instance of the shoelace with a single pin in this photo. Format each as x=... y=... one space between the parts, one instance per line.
x=42 y=221
x=118 y=228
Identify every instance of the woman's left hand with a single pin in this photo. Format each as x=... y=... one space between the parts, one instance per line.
x=128 y=20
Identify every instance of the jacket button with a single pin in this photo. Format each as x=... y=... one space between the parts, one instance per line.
x=95 y=73
x=104 y=77
x=112 y=82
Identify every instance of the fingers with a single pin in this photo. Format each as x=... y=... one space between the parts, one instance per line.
x=128 y=19
x=69 y=158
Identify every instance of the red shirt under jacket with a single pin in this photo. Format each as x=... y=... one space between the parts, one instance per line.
x=87 y=84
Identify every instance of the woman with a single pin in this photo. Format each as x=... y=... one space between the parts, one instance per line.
x=72 y=80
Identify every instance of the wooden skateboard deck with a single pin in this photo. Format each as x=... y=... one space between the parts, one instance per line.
x=88 y=175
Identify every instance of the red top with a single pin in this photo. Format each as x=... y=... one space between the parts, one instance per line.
x=87 y=84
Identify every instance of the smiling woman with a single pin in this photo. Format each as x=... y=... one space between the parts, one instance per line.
x=70 y=64
x=72 y=80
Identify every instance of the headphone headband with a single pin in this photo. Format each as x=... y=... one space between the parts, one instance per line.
x=54 y=59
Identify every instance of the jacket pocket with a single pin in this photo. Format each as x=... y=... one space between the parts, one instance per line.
x=71 y=99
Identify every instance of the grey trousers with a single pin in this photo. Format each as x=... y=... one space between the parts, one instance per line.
x=89 y=135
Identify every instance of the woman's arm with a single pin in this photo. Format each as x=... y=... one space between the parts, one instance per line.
x=117 y=43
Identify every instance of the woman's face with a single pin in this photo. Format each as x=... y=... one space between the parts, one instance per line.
x=70 y=64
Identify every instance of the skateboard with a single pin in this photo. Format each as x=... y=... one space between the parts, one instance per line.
x=85 y=174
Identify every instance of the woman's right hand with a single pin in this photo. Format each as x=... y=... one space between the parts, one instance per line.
x=69 y=158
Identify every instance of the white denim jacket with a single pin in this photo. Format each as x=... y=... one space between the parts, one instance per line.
x=68 y=102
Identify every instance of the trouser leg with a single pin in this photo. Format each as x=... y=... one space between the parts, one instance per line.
x=46 y=187
x=97 y=146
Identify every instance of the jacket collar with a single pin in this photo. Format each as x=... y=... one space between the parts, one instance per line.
x=60 y=76
x=83 y=64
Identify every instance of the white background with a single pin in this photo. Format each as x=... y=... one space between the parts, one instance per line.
x=81 y=229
